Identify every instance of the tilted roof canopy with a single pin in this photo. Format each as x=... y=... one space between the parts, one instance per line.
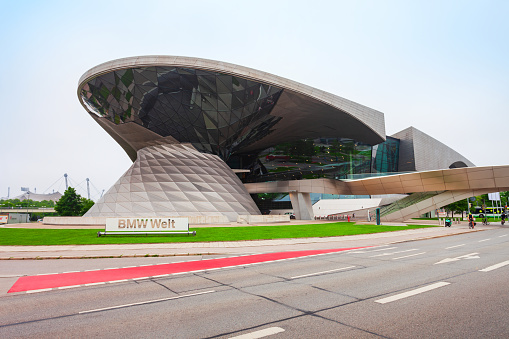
x=218 y=107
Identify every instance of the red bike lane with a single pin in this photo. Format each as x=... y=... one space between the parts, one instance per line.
x=63 y=280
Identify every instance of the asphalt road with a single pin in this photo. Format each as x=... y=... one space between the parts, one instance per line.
x=447 y=287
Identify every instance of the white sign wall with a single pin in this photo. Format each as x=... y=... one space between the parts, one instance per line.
x=147 y=224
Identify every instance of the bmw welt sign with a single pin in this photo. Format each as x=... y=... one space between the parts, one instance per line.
x=147 y=225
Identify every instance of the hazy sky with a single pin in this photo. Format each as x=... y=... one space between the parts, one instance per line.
x=440 y=66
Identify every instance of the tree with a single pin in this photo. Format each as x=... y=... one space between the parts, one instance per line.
x=457 y=207
x=70 y=204
x=86 y=205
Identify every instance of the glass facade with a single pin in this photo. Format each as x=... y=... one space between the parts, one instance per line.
x=386 y=156
x=334 y=158
x=222 y=114
x=217 y=113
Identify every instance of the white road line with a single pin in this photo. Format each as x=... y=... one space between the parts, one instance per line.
x=381 y=249
x=407 y=256
x=143 y=302
x=484 y=240
x=384 y=254
x=260 y=333
x=466 y=256
x=11 y=276
x=448 y=248
x=494 y=267
x=66 y=287
x=317 y=273
x=93 y=284
x=70 y=272
x=501 y=236
x=41 y=290
x=117 y=281
x=412 y=293
x=364 y=250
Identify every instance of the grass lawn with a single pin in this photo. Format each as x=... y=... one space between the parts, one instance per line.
x=31 y=237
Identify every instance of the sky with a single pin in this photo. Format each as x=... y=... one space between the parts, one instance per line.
x=440 y=66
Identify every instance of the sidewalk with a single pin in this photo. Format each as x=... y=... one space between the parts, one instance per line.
x=233 y=247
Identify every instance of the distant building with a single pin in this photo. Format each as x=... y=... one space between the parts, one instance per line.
x=39 y=197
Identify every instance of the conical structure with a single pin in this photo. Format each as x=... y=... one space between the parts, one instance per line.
x=176 y=180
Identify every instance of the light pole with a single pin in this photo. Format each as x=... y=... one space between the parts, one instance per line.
x=28 y=204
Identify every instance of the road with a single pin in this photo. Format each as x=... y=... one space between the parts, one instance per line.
x=452 y=286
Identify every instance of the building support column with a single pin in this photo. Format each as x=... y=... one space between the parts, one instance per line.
x=302 y=206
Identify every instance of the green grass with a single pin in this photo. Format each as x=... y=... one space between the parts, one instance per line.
x=33 y=237
x=490 y=219
x=476 y=218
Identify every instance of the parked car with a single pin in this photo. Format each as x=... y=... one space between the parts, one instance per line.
x=292 y=216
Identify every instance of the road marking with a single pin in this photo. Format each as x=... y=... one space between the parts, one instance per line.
x=260 y=333
x=140 y=278
x=412 y=293
x=317 y=273
x=66 y=287
x=11 y=276
x=381 y=249
x=41 y=290
x=144 y=302
x=93 y=284
x=501 y=236
x=361 y=251
x=28 y=283
x=391 y=253
x=466 y=256
x=448 y=248
x=494 y=267
x=406 y=256
x=484 y=240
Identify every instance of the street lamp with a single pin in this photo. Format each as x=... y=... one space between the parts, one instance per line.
x=28 y=203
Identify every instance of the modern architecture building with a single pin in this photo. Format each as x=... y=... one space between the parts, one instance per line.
x=204 y=135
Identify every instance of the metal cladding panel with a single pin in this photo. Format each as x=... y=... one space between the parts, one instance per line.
x=420 y=152
x=179 y=192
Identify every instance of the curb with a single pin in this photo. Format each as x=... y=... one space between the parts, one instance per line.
x=193 y=254
x=110 y=256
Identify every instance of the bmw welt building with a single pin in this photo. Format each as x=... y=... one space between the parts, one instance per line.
x=206 y=137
